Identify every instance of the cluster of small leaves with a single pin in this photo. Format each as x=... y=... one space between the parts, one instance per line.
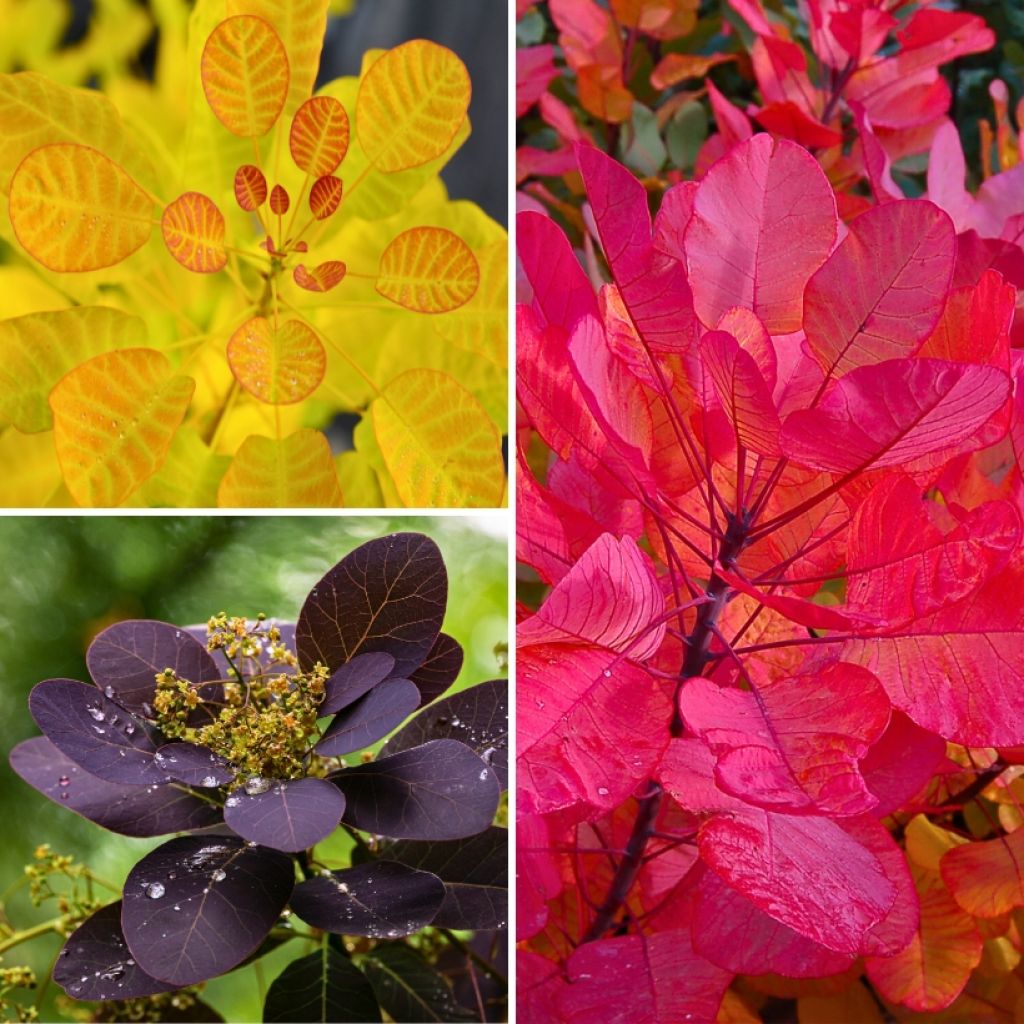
x=192 y=366
x=771 y=493
x=212 y=732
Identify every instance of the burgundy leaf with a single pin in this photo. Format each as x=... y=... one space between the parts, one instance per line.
x=196 y=765
x=372 y=717
x=291 y=815
x=350 y=681
x=440 y=670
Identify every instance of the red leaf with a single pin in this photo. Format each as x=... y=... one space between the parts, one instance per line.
x=322 y=278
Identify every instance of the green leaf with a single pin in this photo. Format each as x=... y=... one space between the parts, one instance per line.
x=685 y=134
x=642 y=148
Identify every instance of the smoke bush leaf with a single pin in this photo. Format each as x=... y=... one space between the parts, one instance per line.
x=318 y=137
x=193 y=229
x=323 y=986
x=372 y=717
x=409 y=989
x=354 y=678
x=277 y=366
x=292 y=815
x=440 y=670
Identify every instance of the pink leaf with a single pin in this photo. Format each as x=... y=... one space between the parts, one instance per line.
x=535 y=68
x=901 y=763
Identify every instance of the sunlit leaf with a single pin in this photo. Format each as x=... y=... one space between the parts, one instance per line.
x=278 y=367
x=279 y=200
x=325 y=196
x=245 y=75
x=295 y=472
x=411 y=102
x=428 y=270
x=38 y=349
x=250 y=187
x=439 y=444
x=75 y=209
x=322 y=278
x=193 y=229
x=114 y=417
x=318 y=138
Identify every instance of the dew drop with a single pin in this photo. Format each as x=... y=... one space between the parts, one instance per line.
x=607 y=673
x=96 y=713
x=63 y=781
x=97 y=729
x=489 y=753
x=483 y=775
x=108 y=691
x=129 y=728
x=256 y=785
x=155 y=890
x=176 y=907
x=209 y=781
x=232 y=801
x=602 y=790
x=219 y=875
x=64 y=795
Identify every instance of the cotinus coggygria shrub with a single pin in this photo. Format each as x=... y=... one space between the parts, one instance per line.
x=233 y=738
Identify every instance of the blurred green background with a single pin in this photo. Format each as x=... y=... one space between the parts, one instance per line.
x=68 y=577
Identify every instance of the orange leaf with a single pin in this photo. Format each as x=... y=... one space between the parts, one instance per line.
x=114 y=417
x=244 y=69
x=428 y=270
x=663 y=19
x=295 y=472
x=321 y=278
x=677 y=67
x=319 y=135
x=324 y=196
x=279 y=199
x=987 y=878
x=193 y=230
x=74 y=209
x=277 y=367
x=411 y=102
x=250 y=187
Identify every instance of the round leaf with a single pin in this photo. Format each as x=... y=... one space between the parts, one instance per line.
x=324 y=986
x=411 y=103
x=194 y=765
x=380 y=899
x=277 y=367
x=198 y=906
x=291 y=816
x=322 y=278
x=74 y=209
x=113 y=418
x=193 y=229
x=354 y=678
x=250 y=187
x=325 y=196
x=244 y=71
x=428 y=270
x=384 y=708
x=318 y=138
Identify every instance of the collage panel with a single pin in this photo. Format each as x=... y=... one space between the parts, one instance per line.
x=284 y=744
x=770 y=511
x=254 y=254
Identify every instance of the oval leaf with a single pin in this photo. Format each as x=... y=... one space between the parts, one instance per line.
x=74 y=209
x=279 y=200
x=384 y=708
x=440 y=790
x=193 y=229
x=409 y=988
x=277 y=367
x=114 y=417
x=324 y=986
x=438 y=443
x=322 y=278
x=295 y=472
x=198 y=906
x=428 y=270
x=411 y=103
x=440 y=670
x=318 y=138
x=291 y=816
x=244 y=70
x=195 y=765
x=250 y=187
x=325 y=196
x=353 y=679
x=380 y=899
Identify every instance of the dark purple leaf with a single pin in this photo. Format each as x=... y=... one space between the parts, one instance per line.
x=197 y=1012
x=291 y=815
x=197 y=906
x=130 y=810
x=440 y=790
x=380 y=899
x=128 y=656
x=477 y=717
x=353 y=679
x=410 y=989
x=474 y=872
x=388 y=595
x=196 y=765
x=96 y=733
x=470 y=984
x=323 y=986
x=95 y=962
x=384 y=708
x=440 y=670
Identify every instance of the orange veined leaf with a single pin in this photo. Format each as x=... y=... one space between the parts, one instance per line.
x=279 y=199
x=74 y=209
x=244 y=71
x=428 y=270
x=438 y=443
x=411 y=102
x=114 y=417
x=325 y=196
x=250 y=187
x=278 y=367
x=322 y=278
x=318 y=138
x=193 y=229
x=294 y=472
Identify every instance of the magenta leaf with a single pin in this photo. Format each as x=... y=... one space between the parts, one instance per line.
x=292 y=815
x=351 y=680
x=373 y=716
x=900 y=764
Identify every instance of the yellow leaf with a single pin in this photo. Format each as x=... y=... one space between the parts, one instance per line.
x=359 y=482
x=481 y=326
x=318 y=138
x=428 y=270
x=277 y=367
x=193 y=229
x=74 y=209
x=113 y=419
x=295 y=472
x=189 y=476
x=440 y=446
x=410 y=105
x=244 y=70
x=38 y=349
x=31 y=476
x=927 y=842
